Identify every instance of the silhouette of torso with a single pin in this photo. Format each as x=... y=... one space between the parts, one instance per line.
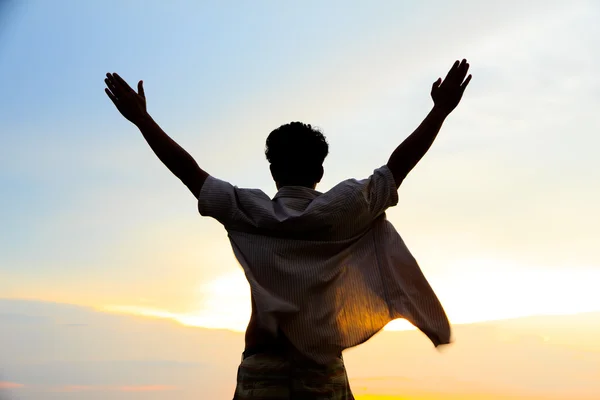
x=260 y=340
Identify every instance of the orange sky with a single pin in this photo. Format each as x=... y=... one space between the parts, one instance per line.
x=60 y=351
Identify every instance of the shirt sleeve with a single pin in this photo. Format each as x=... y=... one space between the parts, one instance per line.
x=379 y=191
x=218 y=199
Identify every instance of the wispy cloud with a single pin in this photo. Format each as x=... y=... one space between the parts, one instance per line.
x=10 y=385
x=99 y=388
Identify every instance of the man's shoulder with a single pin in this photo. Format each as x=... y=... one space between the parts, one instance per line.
x=214 y=184
x=222 y=200
x=252 y=194
x=351 y=184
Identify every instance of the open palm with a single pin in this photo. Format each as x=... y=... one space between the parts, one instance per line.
x=446 y=94
x=131 y=104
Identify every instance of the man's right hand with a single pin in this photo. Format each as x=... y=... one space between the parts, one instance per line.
x=446 y=94
x=130 y=104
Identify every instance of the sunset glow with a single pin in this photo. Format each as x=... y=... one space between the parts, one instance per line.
x=225 y=300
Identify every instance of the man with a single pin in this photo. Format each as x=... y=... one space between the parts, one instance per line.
x=326 y=270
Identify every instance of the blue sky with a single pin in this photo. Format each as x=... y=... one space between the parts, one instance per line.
x=507 y=194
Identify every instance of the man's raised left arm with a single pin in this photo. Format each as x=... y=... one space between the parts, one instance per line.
x=446 y=95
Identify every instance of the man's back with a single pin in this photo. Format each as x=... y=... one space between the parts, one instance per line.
x=327 y=269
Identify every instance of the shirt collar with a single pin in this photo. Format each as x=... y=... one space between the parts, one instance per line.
x=297 y=192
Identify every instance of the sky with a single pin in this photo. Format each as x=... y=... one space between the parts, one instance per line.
x=501 y=213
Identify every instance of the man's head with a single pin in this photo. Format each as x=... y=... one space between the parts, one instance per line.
x=296 y=152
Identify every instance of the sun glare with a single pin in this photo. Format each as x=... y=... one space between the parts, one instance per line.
x=472 y=291
x=483 y=290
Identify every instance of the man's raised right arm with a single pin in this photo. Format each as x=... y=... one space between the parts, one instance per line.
x=132 y=106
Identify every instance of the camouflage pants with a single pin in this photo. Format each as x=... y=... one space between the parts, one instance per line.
x=272 y=377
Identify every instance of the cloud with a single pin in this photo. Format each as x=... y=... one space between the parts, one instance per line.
x=128 y=388
x=10 y=385
x=125 y=355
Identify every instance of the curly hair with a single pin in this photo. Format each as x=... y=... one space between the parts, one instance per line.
x=296 y=152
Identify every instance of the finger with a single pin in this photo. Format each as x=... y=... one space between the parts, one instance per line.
x=452 y=70
x=436 y=85
x=459 y=73
x=462 y=72
x=110 y=84
x=115 y=87
x=111 y=96
x=121 y=82
x=141 y=89
x=466 y=82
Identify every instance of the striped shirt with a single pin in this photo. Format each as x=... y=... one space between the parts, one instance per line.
x=328 y=269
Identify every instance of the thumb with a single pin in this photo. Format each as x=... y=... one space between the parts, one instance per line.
x=436 y=84
x=141 y=89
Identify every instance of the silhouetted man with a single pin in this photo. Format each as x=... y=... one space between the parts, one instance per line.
x=326 y=270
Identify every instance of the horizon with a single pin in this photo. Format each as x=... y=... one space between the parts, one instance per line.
x=399 y=324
